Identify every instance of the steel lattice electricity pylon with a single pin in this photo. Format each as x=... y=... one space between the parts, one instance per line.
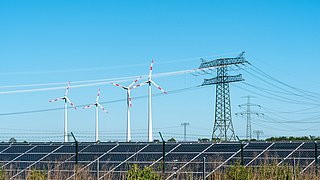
x=223 y=128
x=248 y=112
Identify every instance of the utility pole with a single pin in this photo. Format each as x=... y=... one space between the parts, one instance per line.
x=223 y=128
x=258 y=133
x=185 y=130
x=248 y=114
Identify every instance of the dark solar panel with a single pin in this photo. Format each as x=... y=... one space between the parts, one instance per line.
x=303 y=154
x=98 y=148
x=224 y=148
x=279 y=153
x=249 y=153
x=180 y=157
x=7 y=156
x=146 y=157
x=3 y=148
x=87 y=157
x=112 y=154
x=69 y=148
x=282 y=145
x=43 y=149
x=18 y=149
x=58 y=157
x=158 y=148
x=214 y=157
x=30 y=157
x=128 y=147
x=191 y=147
x=5 y=144
x=308 y=145
x=257 y=146
x=115 y=157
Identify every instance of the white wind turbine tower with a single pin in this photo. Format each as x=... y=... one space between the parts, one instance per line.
x=97 y=105
x=149 y=82
x=129 y=105
x=66 y=101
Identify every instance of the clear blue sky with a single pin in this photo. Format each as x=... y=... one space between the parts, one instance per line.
x=60 y=41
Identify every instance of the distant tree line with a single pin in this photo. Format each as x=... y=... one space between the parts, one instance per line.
x=291 y=138
x=280 y=138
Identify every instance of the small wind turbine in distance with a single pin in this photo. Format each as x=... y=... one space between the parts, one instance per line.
x=149 y=82
x=97 y=105
x=66 y=101
x=129 y=105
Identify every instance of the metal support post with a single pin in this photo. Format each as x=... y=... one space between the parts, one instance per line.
x=163 y=155
x=204 y=168
x=316 y=156
x=241 y=151
x=294 y=168
x=76 y=163
x=98 y=168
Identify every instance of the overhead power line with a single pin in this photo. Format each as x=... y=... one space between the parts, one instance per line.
x=168 y=61
x=302 y=91
x=93 y=82
x=298 y=111
x=106 y=102
x=299 y=94
x=285 y=129
x=274 y=94
x=280 y=99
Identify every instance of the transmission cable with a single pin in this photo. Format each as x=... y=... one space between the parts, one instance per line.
x=270 y=97
x=278 y=87
x=256 y=69
x=273 y=94
x=106 y=102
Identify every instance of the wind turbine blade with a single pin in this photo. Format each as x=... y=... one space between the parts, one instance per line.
x=102 y=108
x=67 y=89
x=118 y=85
x=57 y=99
x=71 y=103
x=138 y=85
x=135 y=81
x=98 y=96
x=158 y=87
x=150 y=73
x=88 y=106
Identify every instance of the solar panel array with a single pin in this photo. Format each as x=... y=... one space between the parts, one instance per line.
x=103 y=159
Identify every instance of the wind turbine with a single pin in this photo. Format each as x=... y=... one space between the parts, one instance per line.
x=149 y=82
x=129 y=105
x=97 y=105
x=66 y=101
